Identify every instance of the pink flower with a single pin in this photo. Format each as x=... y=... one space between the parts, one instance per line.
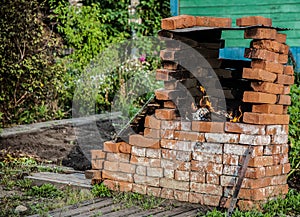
x=142 y=58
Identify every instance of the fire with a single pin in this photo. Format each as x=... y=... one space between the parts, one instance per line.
x=236 y=118
x=202 y=89
x=207 y=104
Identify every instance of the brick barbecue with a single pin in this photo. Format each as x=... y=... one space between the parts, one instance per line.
x=175 y=154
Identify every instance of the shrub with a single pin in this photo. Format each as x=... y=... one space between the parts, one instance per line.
x=31 y=83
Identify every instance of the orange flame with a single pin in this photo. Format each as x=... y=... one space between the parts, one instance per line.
x=237 y=118
x=202 y=89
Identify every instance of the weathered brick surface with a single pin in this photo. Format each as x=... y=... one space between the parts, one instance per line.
x=256 y=118
x=178 y=22
x=213 y=127
x=165 y=114
x=268 y=66
x=260 y=33
x=244 y=128
x=258 y=97
x=261 y=54
x=253 y=21
x=152 y=122
x=141 y=141
x=181 y=195
x=93 y=174
x=268 y=109
x=167 y=193
x=255 y=139
x=189 y=136
x=146 y=180
x=259 y=74
x=280 y=37
x=117 y=176
x=152 y=133
x=213 y=21
x=285 y=79
x=222 y=138
x=267 y=87
x=284 y=100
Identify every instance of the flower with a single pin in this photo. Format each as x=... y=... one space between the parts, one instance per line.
x=142 y=58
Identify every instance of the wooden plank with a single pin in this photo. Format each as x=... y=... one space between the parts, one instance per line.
x=97 y=212
x=84 y=209
x=173 y=212
x=150 y=212
x=123 y=212
x=191 y=213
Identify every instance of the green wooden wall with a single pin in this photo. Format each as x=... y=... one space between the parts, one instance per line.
x=284 y=14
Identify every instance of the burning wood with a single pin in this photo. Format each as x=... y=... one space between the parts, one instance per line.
x=206 y=110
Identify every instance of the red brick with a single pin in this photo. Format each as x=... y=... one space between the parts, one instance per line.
x=244 y=128
x=153 y=191
x=274 y=170
x=245 y=205
x=141 y=189
x=174 y=184
x=268 y=66
x=165 y=114
x=259 y=74
x=138 y=151
x=154 y=172
x=256 y=183
x=256 y=118
x=169 y=104
x=267 y=87
x=222 y=138
x=288 y=70
x=178 y=22
x=141 y=141
x=260 y=33
x=286 y=168
x=170 y=65
x=111 y=146
x=230 y=159
x=167 y=193
x=182 y=175
x=155 y=163
x=151 y=133
x=255 y=139
x=197 y=177
x=280 y=37
x=110 y=184
x=125 y=186
x=118 y=157
x=213 y=21
x=196 y=198
x=97 y=164
x=261 y=161
x=97 y=154
x=261 y=54
x=268 y=108
x=117 y=176
x=189 y=136
x=285 y=149
x=93 y=174
x=284 y=49
x=282 y=58
x=125 y=148
x=257 y=97
x=111 y=166
x=152 y=122
x=141 y=161
x=181 y=195
x=255 y=173
x=162 y=94
x=269 y=45
x=253 y=194
x=212 y=200
x=203 y=126
x=285 y=79
x=277 y=191
x=171 y=125
x=206 y=188
x=212 y=179
x=127 y=167
x=168 y=75
x=177 y=145
x=168 y=23
x=286 y=89
x=146 y=180
x=167 y=134
x=284 y=100
x=254 y=21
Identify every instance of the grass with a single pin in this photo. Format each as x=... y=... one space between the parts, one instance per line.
x=42 y=199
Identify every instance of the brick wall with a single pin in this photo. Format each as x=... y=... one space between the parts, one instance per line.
x=176 y=157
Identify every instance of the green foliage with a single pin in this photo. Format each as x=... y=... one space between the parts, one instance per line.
x=31 y=83
x=294 y=130
x=100 y=190
x=46 y=190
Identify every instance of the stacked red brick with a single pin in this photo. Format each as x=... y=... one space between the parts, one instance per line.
x=198 y=161
x=270 y=74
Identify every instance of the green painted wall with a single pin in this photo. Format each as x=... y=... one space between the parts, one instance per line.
x=284 y=14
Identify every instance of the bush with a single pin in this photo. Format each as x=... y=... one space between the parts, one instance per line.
x=31 y=83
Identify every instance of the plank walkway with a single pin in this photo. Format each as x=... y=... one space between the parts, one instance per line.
x=105 y=207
